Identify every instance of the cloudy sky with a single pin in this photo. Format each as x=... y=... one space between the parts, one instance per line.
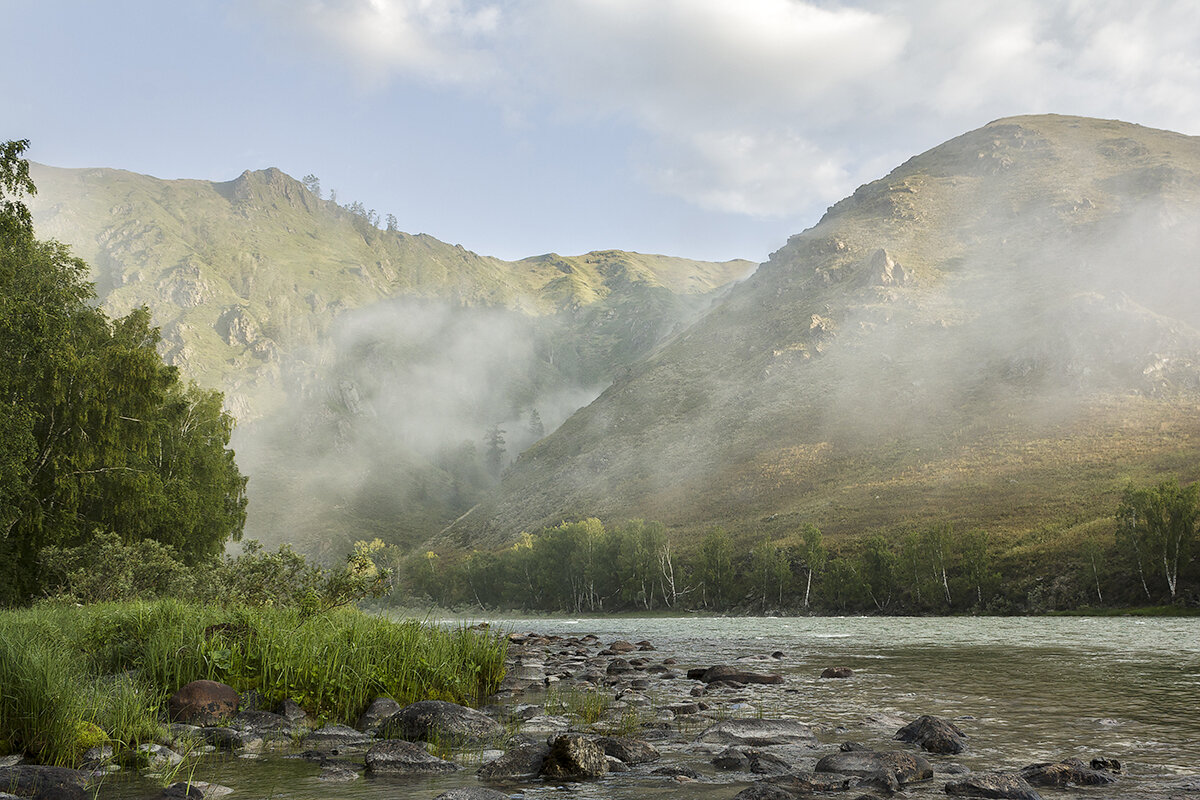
x=705 y=128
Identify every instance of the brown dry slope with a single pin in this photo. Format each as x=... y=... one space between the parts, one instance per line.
x=1000 y=333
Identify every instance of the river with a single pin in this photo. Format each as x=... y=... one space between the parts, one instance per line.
x=1024 y=690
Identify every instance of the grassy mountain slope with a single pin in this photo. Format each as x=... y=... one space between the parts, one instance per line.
x=365 y=366
x=999 y=334
x=245 y=277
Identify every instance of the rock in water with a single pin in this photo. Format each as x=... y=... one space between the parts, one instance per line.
x=203 y=703
x=1004 y=785
x=44 y=783
x=1072 y=772
x=837 y=672
x=520 y=762
x=628 y=750
x=396 y=757
x=933 y=734
x=437 y=720
x=728 y=672
x=759 y=732
x=572 y=757
x=904 y=767
x=472 y=793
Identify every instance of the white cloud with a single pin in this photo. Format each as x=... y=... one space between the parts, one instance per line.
x=444 y=41
x=774 y=107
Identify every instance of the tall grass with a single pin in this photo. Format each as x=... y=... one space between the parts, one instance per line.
x=113 y=665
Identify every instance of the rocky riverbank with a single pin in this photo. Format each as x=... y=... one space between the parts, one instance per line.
x=577 y=709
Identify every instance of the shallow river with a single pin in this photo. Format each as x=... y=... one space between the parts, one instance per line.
x=1023 y=689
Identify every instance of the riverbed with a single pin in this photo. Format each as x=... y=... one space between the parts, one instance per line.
x=1024 y=690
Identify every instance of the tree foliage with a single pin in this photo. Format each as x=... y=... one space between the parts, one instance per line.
x=1157 y=525
x=96 y=432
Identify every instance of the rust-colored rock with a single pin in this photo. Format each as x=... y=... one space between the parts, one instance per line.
x=203 y=703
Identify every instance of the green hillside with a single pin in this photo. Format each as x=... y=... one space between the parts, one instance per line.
x=998 y=334
x=364 y=365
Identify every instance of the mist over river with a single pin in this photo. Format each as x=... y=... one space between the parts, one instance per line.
x=1024 y=690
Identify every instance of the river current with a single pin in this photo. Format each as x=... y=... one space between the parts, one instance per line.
x=1024 y=690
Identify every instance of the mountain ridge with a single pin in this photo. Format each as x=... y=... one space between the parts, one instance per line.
x=972 y=300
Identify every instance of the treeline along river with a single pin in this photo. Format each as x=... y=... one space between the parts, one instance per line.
x=1024 y=690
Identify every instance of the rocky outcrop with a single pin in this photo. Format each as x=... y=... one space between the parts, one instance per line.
x=837 y=672
x=203 y=703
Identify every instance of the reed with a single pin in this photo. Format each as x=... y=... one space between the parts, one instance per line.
x=113 y=665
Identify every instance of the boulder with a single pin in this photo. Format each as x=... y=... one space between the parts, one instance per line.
x=291 y=711
x=472 y=793
x=572 y=757
x=837 y=672
x=380 y=709
x=729 y=672
x=933 y=734
x=203 y=703
x=1005 y=785
x=759 y=732
x=398 y=757
x=677 y=771
x=628 y=749
x=337 y=737
x=438 y=720
x=155 y=756
x=44 y=783
x=794 y=785
x=621 y=646
x=903 y=767
x=196 y=790
x=749 y=759
x=1072 y=772
x=520 y=762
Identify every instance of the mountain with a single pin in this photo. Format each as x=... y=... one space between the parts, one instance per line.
x=245 y=277
x=365 y=366
x=998 y=334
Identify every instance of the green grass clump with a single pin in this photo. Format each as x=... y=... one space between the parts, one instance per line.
x=113 y=665
x=587 y=707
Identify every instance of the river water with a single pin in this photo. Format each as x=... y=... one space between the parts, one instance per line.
x=1023 y=689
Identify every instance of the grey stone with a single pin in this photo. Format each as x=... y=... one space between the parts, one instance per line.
x=44 y=783
x=628 y=749
x=472 y=793
x=380 y=709
x=399 y=757
x=934 y=735
x=572 y=757
x=519 y=762
x=904 y=767
x=759 y=732
x=429 y=720
x=1003 y=785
